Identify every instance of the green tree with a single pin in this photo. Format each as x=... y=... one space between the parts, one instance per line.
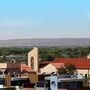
x=68 y=69
x=4 y=58
x=62 y=70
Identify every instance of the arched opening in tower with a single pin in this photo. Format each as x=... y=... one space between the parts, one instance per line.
x=32 y=62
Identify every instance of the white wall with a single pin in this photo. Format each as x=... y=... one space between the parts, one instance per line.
x=88 y=56
x=3 y=65
x=83 y=71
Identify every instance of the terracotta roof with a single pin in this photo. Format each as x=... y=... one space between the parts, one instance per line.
x=58 y=65
x=26 y=68
x=81 y=63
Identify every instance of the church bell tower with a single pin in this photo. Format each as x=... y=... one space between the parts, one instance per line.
x=33 y=59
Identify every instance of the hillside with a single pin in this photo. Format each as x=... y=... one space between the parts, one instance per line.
x=50 y=42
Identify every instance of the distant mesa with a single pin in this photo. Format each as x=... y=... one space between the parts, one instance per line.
x=49 y=42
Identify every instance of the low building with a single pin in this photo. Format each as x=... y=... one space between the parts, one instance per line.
x=66 y=82
x=14 y=68
x=82 y=64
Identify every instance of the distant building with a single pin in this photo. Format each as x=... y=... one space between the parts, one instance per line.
x=15 y=57
x=14 y=68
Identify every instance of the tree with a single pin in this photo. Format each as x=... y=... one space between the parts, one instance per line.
x=68 y=69
x=4 y=57
x=62 y=70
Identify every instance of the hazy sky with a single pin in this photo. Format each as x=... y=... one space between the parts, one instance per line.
x=44 y=18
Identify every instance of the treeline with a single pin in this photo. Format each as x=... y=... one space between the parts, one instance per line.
x=4 y=52
x=47 y=53
x=51 y=53
x=14 y=51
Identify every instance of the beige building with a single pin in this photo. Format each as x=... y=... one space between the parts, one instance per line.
x=84 y=72
x=88 y=56
x=51 y=67
x=82 y=64
x=14 y=68
x=33 y=59
x=3 y=67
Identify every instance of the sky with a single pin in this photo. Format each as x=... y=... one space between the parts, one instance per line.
x=44 y=19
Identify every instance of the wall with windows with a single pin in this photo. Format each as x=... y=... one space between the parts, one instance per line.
x=84 y=72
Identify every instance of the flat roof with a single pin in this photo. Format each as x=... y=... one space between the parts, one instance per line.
x=19 y=78
x=66 y=79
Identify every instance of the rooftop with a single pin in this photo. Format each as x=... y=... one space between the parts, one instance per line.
x=81 y=63
x=58 y=65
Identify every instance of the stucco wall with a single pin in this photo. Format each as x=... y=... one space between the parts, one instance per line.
x=48 y=69
x=34 y=53
x=88 y=56
x=3 y=65
x=83 y=71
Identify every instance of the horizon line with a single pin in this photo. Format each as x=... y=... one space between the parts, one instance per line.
x=48 y=38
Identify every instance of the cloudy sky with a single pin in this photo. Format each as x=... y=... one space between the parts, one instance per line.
x=44 y=19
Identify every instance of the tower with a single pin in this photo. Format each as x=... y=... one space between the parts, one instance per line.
x=33 y=59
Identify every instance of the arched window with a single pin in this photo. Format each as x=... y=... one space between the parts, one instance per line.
x=32 y=62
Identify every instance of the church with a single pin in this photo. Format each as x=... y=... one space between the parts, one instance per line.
x=46 y=67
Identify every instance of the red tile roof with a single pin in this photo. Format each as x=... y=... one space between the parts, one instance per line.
x=26 y=68
x=81 y=63
x=58 y=65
